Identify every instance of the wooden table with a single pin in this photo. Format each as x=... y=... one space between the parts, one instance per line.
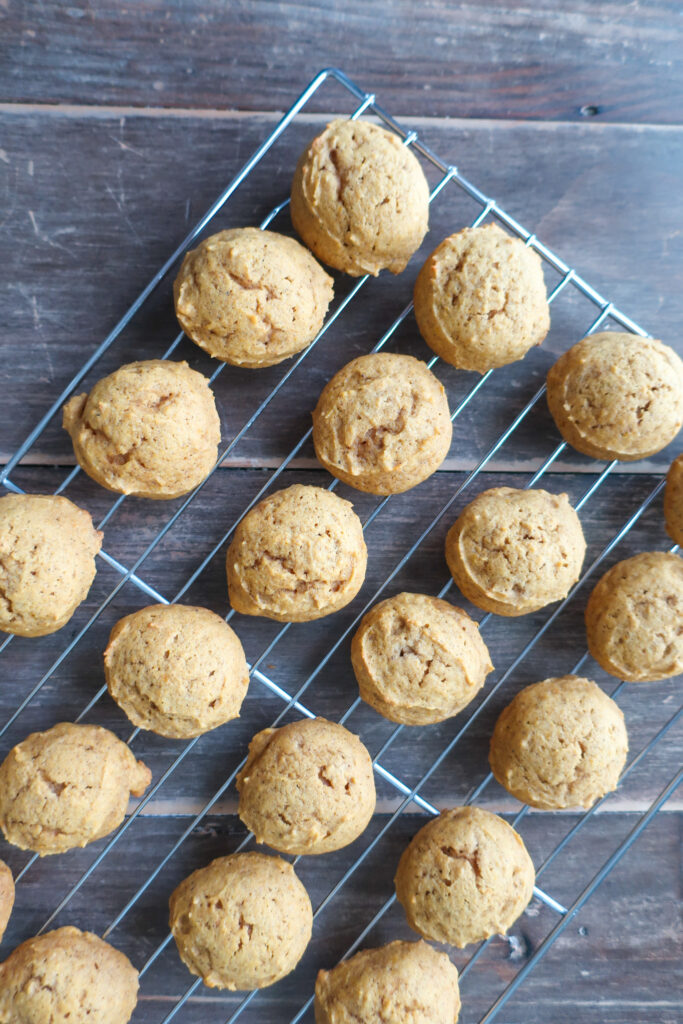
x=119 y=124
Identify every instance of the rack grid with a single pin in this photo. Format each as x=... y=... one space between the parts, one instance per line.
x=410 y=795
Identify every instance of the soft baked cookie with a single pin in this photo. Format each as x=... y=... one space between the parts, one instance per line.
x=6 y=897
x=480 y=299
x=360 y=200
x=514 y=551
x=559 y=743
x=382 y=424
x=418 y=659
x=617 y=396
x=466 y=875
x=307 y=787
x=634 y=615
x=176 y=669
x=47 y=562
x=250 y=297
x=242 y=922
x=150 y=429
x=297 y=555
x=67 y=977
x=673 y=501
x=67 y=787
x=402 y=983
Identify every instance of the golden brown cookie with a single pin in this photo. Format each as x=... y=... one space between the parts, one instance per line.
x=466 y=875
x=673 y=501
x=360 y=200
x=67 y=977
x=559 y=743
x=617 y=396
x=298 y=555
x=382 y=424
x=307 y=787
x=514 y=551
x=251 y=298
x=418 y=659
x=175 y=669
x=242 y=922
x=402 y=983
x=6 y=897
x=67 y=787
x=480 y=299
x=47 y=562
x=149 y=429
x=634 y=616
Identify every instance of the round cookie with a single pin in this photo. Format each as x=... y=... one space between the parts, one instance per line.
x=634 y=615
x=250 y=297
x=480 y=299
x=66 y=787
x=418 y=659
x=382 y=424
x=466 y=875
x=6 y=897
x=307 y=787
x=242 y=922
x=175 y=669
x=402 y=983
x=514 y=551
x=297 y=555
x=150 y=429
x=617 y=396
x=67 y=977
x=673 y=501
x=47 y=562
x=359 y=199
x=560 y=743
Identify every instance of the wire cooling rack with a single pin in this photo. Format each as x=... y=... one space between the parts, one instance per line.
x=409 y=794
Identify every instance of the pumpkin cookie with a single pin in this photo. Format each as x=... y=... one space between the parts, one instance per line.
x=149 y=429
x=466 y=875
x=512 y=551
x=307 y=787
x=176 y=669
x=634 y=615
x=480 y=299
x=617 y=396
x=67 y=977
x=47 y=562
x=67 y=787
x=560 y=743
x=673 y=501
x=418 y=659
x=6 y=897
x=402 y=983
x=382 y=424
x=242 y=922
x=251 y=298
x=360 y=200
x=297 y=555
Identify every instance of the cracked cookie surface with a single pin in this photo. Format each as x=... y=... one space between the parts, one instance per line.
x=673 y=501
x=47 y=562
x=6 y=897
x=480 y=299
x=149 y=429
x=67 y=787
x=617 y=396
x=250 y=297
x=360 y=199
x=307 y=787
x=382 y=423
x=241 y=922
x=560 y=743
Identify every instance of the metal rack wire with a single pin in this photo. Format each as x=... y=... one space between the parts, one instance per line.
x=409 y=794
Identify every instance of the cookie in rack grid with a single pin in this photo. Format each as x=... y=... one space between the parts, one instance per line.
x=6 y=897
x=149 y=429
x=360 y=199
x=251 y=298
x=382 y=423
x=673 y=501
x=47 y=562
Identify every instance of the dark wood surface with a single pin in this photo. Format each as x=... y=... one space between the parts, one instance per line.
x=92 y=200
